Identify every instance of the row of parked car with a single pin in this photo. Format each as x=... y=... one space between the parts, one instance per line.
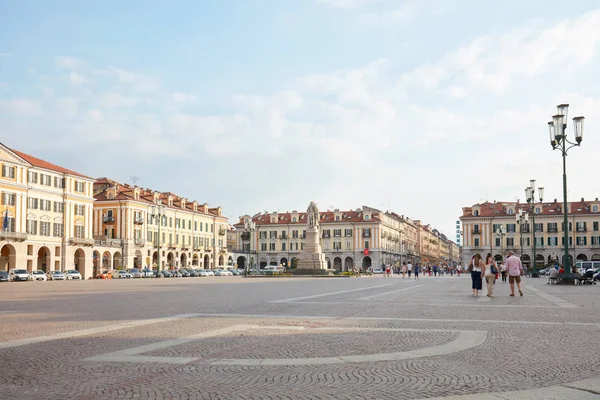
x=18 y=274
x=149 y=273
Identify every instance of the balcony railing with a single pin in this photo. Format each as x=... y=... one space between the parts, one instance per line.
x=139 y=241
x=326 y=235
x=582 y=229
x=476 y=232
x=6 y=235
x=366 y=235
x=283 y=237
x=138 y=221
x=524 y=230
x=109 y=219
x=554 y=230
x=81 y=241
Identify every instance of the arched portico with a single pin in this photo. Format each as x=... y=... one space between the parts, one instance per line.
x=183 y=260
x=284 y=261
x=221 y=261
x=43 y=259
x=263 y=262
x=348 y=264
x=582 y=257
x=230 y=261
x=596 y=257
x=294 y=262
x=206 y=261
x=8 y=257
x=137 y=260
x=79 y=262
x=337 y=263
x=272 y=261
x=117 y=260
x=328 y=261
x=106 y=260
x=366 y=262
x=195 y=260
x=241 y=262
x=170 y=261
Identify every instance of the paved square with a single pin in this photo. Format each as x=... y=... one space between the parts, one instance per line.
x=354 y=338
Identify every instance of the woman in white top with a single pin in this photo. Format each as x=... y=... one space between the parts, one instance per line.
x=490 y=269
x=476 y=269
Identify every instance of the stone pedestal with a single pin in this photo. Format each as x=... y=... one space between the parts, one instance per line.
x=312 y=258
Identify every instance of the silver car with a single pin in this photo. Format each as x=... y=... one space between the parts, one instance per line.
x=135 y=273
x=121 y=275
x=17 y=274
x=56 y=276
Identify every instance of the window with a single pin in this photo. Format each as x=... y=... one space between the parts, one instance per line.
x=33 y=203
x=8 y=171
x=212 y=228
x=32 y=177
x=272 y=234
x=539 y=241
x=570 y=227
x=295 y=234
x=497 y=242
x=59 y=207
x=366 y=232
x=570 y=241
x=595 y=226
x=45 y=180
x=170 y=239
x=45 y=205
x=581 y=241
x=553 y=241
x=367 y=244
x=326 y=245
x=177 y=223
x=263 y=247
x=58 y=230
x=293 y=219
x=176 y=239
x=79 y=231
x=272 y=246
x=552 y=227
x=337 y=233
x=511 y=211
x=476 y=228
x=367 y=216
x=79 y=209
x=32 y=227
x=262 y=235
x=594 y=208
x=347 y=245
x=189 y=225
x=79 y=186
x=337 y=217
x=581 y=226
x=476 y=242
x=337 y=245
x=44 y=228
x=539 y=227
x=348 y=232
x=537 y=210
x=283 y=246
x=170 y=222
x=9 y=199
x=326 y=233
x=195 y=226
x=511 y=227
x=476 y=213
x=495 y=227
x=59 y=182
x=510 y=242
x=302 y=246
x=595 y=240
x=11 y=223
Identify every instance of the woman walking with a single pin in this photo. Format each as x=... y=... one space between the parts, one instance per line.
x=416 y=271
x=476 y=269
x=404 y=268
x=490 y=271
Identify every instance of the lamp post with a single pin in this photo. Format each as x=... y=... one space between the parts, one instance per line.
x=250 y=226
x=530 y=196
x=521 y=217
x=558 y=140
x=500 y=232
x=158 y=212
x=122 y=254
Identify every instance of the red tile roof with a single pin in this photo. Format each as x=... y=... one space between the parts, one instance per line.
x=327 y=217
x=500 y=209
x=36 y=162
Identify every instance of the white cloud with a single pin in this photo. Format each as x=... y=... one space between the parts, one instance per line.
x=184 y=98
x=347 y=3
x=117 y=100
x=67 y=62
x=138 y=82
x=76 y=78
x=22 y=107
x=67 y=107
x=406 y=12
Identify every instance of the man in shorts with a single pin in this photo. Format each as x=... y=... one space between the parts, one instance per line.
x=515 y=272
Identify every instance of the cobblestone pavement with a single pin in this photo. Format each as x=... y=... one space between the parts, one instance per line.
x=346 y=338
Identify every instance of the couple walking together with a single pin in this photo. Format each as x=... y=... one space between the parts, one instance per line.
x=488 y=270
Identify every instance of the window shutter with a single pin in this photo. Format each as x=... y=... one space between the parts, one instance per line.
x=3 y=170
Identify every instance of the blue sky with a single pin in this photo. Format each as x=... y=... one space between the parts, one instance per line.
x=426 y=105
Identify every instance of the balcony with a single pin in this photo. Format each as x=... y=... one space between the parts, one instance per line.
x=476 y=232
x=524 y=230
x=139 y=242
x=284 y=237
x=582 y=229
x=17 y=236
x=326 y=235
x=553 y=230
x=74 y=241
x=366 y=235
x=336 y=250
x=138 y=221
x=109 y=219
x=171 y=245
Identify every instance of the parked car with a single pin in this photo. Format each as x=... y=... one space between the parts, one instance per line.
x=147 y=273
x=105 y=275
x=3 y=276
x=135 y=273
x=72 y=274
x=203 y=272
x=56 y=276
x=226 y=272
x=122 y=274
x=184 y=273
x=218 y=272
x=176 y=274
x=193 y=273
x=17 y=274
x=37 y=275
x=163 y=273
x=236 y=272
x=378 y=271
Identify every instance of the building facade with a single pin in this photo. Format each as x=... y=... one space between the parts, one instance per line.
x=481 y=222
x=365 y=238
x=142 y=228
x=46 y=215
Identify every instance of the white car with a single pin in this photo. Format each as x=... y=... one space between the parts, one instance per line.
x=203 y=272
x=37 y=275
x=72 y=274
x=135 y=273
x=17 y=274
x=224 y=272
x=56 y=276
x=121 y=275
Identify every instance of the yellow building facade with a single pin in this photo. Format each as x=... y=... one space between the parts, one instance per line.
x=127 y=221
x=46 y=215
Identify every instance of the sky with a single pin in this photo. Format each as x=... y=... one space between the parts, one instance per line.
x=422 y=107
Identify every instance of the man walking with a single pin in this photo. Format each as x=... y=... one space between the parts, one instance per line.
x=515 y=272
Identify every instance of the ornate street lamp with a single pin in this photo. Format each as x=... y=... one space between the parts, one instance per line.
x=500 y=233
x=158 y=212
x=521 y=217
x=558 y=140
x=530 y=196
x=250 y=227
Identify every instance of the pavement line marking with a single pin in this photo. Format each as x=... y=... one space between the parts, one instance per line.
x=133 y=354
x=477 y=304
x=314 y=296
x=386 y=293
x=464 y=341
x=341 y=318
x=556 y=300
x=92 y=331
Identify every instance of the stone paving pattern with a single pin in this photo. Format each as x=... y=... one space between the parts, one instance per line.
x=531 y=342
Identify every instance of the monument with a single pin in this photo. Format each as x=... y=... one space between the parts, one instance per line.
x=312 y=259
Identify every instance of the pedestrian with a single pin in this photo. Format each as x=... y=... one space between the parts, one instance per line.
x=476 y=269
x=387 y=271
x=409 y=269
x=503 y=272
x=515 y=272
x=458 y=269
x=404 y=269
x=435 y=270
x=416 y=271
x=490 y=271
